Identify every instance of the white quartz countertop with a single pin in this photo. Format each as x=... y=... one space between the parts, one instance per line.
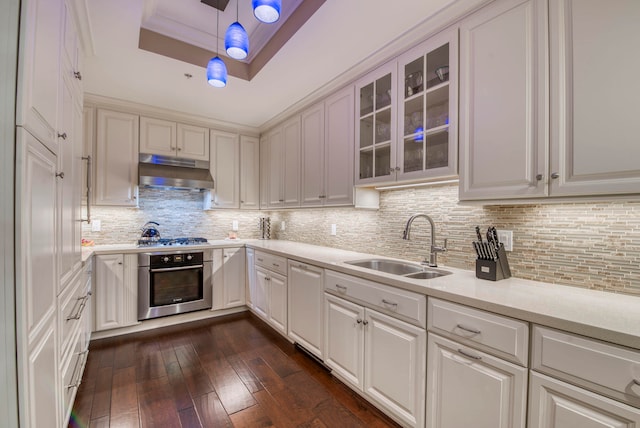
x=602 y=315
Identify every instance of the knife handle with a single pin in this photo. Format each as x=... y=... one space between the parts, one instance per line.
x=478 y=234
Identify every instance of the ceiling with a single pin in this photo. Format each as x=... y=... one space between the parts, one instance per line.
x=338 y=39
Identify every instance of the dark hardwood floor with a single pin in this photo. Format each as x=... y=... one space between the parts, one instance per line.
x=228 y=371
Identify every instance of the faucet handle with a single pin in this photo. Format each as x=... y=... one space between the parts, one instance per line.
x=440 y=249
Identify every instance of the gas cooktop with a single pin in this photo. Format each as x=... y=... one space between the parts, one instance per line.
x=171 y=242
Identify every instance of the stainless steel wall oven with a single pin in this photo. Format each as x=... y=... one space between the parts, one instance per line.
x=175 y=282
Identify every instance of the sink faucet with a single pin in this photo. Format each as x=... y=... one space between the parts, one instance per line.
x=433 y=254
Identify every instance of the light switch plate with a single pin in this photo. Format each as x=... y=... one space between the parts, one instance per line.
x=333 y=230
x=234 y=225
x=96 y=225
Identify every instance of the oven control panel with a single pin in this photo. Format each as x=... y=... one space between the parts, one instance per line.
x=175 y=260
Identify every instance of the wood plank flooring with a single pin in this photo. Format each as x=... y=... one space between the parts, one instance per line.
x=232 y=371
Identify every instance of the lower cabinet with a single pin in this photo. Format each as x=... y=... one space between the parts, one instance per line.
x=116 y=291
x=379 y=355
x=228 y=278
x=556 y=404
x=269 y=295
x=306 y=288
x=468 y=388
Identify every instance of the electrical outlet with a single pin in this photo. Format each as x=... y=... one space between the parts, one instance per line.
x=506 y=237
x=234 y=225
x=283 y=225
x=96 y=225
x=334 y=230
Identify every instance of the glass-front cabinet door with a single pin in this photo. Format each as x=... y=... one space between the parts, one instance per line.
x=376 y=125
x=427 y=109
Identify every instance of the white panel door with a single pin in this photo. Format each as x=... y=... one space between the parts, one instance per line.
x=595 y=131
x=306 y=316
x=277 y=301
x=157 y=136
x=234 y=277
x=274 y=171
x=109 y=291
x=339 y=143
x=249 y=172
x=503 y=101
x=471 y=388
x=259 y=299
x=291 y=162
x=193 y=142
x=39 y=69
x=395 y=366
x=251 y=277
x=344 y=339
x=225 y=168
x=116 y=159
x=555 y=404
x=312 y=141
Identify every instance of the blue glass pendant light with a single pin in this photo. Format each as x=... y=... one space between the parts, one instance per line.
x=236 y=40
x=267 y=11
x=216 y=69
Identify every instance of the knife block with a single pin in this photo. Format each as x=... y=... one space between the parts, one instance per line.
x=494 y=270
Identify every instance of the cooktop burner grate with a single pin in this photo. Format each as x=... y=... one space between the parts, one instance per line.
x=171 y=242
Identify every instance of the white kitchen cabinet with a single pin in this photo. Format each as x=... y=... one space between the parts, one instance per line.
x=71 y=179
x=249 y=172
x=116 y=291
x=375 y=117
x=228 y=278
x=270 y=300
x=116 y=158
x=594 y=129
x=556 y=404
x=225 y=169
x=327 y=151
x=168 y=138
x=37 y=274
x=39 y=70
x=380 y=355
x=157 y=136
x=250 y=277
x=282 y=149
x=192 y=142
x=305 y=300
x=427 y=142
x=504 y=101
x=467 y=387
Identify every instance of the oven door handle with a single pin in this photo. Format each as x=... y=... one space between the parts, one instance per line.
x=176 y=268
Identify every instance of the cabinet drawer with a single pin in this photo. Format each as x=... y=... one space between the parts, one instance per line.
x=72 y=369
x=602 y=367
x=73 y=303
x=271 y=262
x=405 y=304
x=505 y=337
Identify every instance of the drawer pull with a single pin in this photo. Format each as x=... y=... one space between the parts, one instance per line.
x=275 y=264
x=389 y=303
x=341 y=288
x=469 y=329
x=82 y=356
x=636 y=381
x=359 y=321
x=260 y=260
x=469 y=355
x=365 y=322
x=83 y=303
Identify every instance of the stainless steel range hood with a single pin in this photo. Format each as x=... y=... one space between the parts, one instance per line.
x=165 y=171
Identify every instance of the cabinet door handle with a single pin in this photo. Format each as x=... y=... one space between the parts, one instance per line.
x=389 y=303
x=636 y=381
x=539 y=177
x=365 y=322
x=60 y=174
x=63 y=135
x=77 y=75
x=359 y=321
x=260 y=260
x=341 y=288
x=266 y=278
x=469 y=355
x=469 y=329
x=555 y=175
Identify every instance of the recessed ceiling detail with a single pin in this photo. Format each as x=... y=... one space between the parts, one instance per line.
x=189 y=33
x=221 y=5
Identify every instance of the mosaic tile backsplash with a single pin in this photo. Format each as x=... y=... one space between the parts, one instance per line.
x=592 y=245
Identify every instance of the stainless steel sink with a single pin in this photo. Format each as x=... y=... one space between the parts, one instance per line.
x=396 y=267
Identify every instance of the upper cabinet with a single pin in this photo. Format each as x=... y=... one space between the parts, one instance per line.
x=282 y=165
x=167 y=138
x=116 y=158
x=249 y=172
x=406 y=115
x=225 y=164
x=327 y=151
x=376 y=125
x=427 y=109
x=594 y=91
x=541 y=116
x=503 y=101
